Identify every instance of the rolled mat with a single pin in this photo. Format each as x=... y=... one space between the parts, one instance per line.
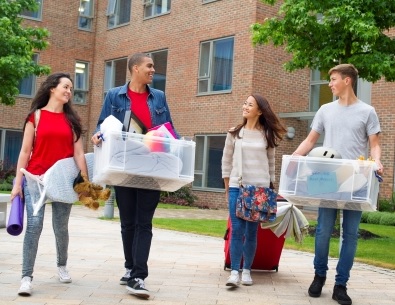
x=15 y=220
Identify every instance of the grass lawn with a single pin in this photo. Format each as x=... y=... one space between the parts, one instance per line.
x=378 y=251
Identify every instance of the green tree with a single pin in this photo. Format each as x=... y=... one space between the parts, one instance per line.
x=17 y=48
x=322 y=33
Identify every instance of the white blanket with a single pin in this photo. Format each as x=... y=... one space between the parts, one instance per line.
x=57 y=183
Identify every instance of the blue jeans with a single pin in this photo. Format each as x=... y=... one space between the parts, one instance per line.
x=60 y=221
x=326 y=222
x=243 y=239
x=136 y=211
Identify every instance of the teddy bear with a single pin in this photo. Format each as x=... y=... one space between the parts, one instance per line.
x=89 y=193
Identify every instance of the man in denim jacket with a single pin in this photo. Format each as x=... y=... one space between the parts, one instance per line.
x=136 y=206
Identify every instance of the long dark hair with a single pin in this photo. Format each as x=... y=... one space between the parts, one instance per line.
x=41 y=99
x=272 y=128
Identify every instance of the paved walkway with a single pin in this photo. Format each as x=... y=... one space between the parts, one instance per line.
x=185 y=269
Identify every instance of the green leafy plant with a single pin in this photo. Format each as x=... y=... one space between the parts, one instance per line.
x=183 y=196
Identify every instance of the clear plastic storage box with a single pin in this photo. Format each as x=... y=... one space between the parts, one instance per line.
x=144 y=161
x=329 y=183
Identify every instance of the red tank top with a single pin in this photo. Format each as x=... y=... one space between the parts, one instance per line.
x=54 y=141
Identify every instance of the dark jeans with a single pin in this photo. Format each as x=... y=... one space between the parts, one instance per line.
x=136 y=211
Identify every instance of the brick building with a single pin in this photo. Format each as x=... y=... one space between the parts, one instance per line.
x=204 y=61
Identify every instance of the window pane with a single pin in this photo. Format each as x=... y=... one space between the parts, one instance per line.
x=27 y=85
x=13 y=144
x=156 y=7
x=160 y=62
x=208 y=156
x=320 y=94
x=204 y=60
x=86 y=14
x=213 y=166
x=115 y=73
x=199 y=153
x=34 y=15
x=124 y=11
x=222 y=65
x=120 y=72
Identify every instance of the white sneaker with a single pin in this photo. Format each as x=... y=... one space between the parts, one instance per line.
x=246 y=277
x=26 y=286
x=64 y=276
x=233 y=279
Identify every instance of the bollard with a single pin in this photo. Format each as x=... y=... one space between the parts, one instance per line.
x=109 y=206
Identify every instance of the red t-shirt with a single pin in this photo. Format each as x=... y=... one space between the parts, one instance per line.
x=139 y=107
x=53 y=142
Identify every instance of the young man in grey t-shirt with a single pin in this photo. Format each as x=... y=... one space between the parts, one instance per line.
x=350 y=127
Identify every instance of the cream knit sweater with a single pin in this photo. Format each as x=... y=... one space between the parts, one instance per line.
x=257 y=161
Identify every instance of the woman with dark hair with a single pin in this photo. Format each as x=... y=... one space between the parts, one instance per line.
x=257 y=136
x=50 y=134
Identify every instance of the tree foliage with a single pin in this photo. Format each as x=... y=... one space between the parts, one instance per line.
x=322 y=33
x=17 y=48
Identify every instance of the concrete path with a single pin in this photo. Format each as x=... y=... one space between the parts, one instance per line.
x=185 y=269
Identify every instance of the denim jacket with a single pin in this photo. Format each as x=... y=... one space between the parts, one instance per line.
x=117 y=102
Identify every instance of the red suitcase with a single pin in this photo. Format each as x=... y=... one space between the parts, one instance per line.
x=268 y=250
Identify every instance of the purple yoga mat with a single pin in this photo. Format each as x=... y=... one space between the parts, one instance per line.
x=15 y=220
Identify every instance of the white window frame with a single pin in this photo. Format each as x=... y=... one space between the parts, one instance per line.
x=114 y=9
x=34 y=15
x=31 y=79
x=154 y=8
x=86 y=13
x=81 y=92
x=202 y=162
x=207 y=68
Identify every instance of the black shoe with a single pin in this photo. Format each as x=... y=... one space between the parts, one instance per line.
x=137 y=288
x=316 y=286
x=124 y=280
x=340 y=295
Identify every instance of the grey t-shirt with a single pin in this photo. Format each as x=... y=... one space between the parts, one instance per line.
x=347 y=128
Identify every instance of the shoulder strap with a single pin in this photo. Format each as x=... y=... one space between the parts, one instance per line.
x=36 y=121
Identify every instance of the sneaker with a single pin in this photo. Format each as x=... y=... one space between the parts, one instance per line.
x=26 y=286
x=316 y=286
x=64 y=276
x=340 y=295
x=136 y=287
x=246 y=279
x=233 y=279
x=124 y=280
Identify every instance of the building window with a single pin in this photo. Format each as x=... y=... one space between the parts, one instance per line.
x=10 y=146
x=85 y=18
x=320 y=93
x=118 y=12
x=36 y=14
x=27 y=86
x=160 y=65
x=216 y=66
x=115 y=73
x=209 y=150
x=154 y=8
x=81 y=83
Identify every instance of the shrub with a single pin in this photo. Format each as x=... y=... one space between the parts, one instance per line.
x=183 y=196
x=4 y=186
x=386 y=205
x=387 y=219
x=364 y=217
x=374 y=218
x=379 y=218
